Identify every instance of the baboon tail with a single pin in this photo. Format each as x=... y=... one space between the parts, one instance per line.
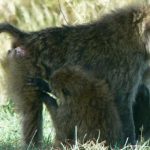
x=13 y=31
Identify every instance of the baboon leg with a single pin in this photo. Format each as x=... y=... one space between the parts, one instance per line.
x=126 y=115
x=32 y=124
x=141 y=112
x=129 y=129
x=30 y=107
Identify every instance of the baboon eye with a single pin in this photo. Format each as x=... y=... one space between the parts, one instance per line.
x=65 y=92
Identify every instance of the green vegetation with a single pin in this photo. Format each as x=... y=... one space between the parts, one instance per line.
x=33 y=15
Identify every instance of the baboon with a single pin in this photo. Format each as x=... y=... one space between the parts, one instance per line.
x=93 y=108
x=28 y=99
x=25 y=97
x=114 y=48
x=141 y=107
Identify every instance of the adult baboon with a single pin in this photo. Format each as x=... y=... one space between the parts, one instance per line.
x=92 y=109
x=114 y=48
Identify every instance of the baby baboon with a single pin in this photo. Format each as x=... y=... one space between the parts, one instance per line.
x=114 y=48
x=92 y=109
x=27 y=97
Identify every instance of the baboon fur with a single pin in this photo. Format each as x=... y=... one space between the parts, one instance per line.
x=26 y=97
x=93 y=109
x=114 y=48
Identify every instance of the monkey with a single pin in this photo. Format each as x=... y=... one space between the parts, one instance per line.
x=141 y=107
x=18 y=83
x=31 y=122
x=117 y=44
x=93 y=108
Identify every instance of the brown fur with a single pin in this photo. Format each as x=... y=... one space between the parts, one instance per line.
x=26 y=97
x=114 y=48
x=92 y=109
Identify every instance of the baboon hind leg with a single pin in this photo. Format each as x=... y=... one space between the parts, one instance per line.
x=141 y=112
x=31 y=110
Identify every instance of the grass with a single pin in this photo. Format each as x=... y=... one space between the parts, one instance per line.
x=10 y=133
x=33 y=15
x=10 y=128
